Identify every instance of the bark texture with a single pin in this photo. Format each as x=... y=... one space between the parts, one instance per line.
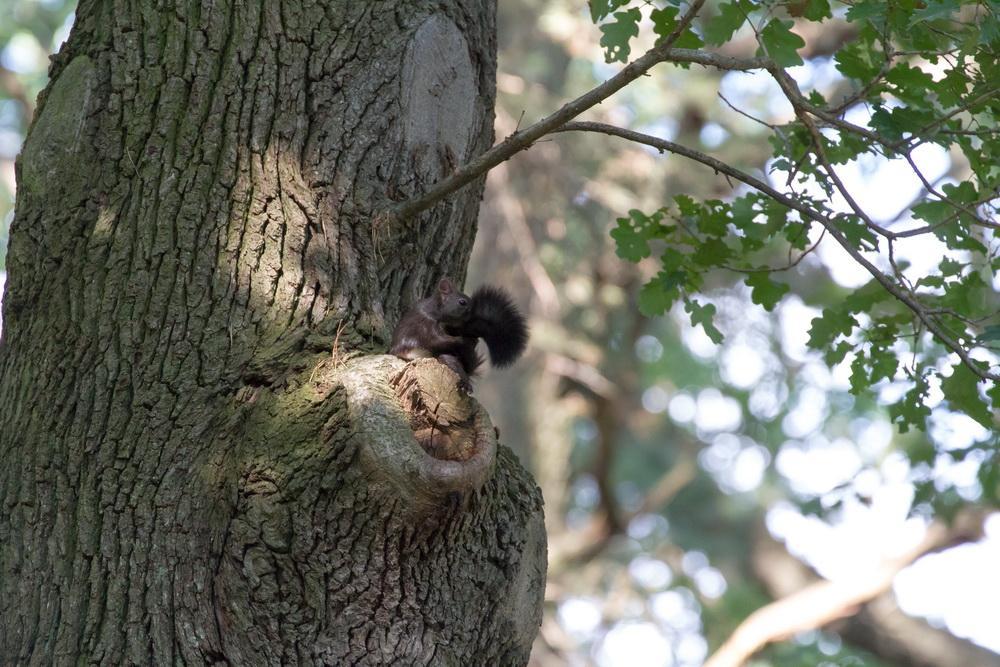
x=201 y=459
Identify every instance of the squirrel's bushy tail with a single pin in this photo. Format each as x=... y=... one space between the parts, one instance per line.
x=500 y=324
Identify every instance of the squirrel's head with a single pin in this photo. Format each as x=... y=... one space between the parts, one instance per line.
x=454 y=307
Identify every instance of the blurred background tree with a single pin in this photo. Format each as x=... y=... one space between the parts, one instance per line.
x=687 y=483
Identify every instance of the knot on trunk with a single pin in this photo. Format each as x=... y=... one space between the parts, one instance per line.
x=419 y=437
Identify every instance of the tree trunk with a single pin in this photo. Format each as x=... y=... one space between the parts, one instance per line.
x=202 y=457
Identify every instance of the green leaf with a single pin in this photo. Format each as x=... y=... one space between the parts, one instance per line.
x=910 y=410
x=906 y=76
x=961 y=390
x=720 y=28
x=955 y=233
x=797 y=234
x=989 y=480
x=765 y=291
x=994 y=393
x=867 y=10
x=601 y=8
x=911 y=83
x=847 y=147
x=963 y=193
x=664 y=22
x=780 y=43
x=965 y=295
x=781 y=164
x=630 y=245
x=857 y=232
x=743 y=211
x=989 y=31
x=687 y=205
x=859 y=374
x=632 y=235
x=817 y=10
x=884 y=123
x=703 y=315
x=828 y=326
x=656 y=296
x=715 y=222
x=883 y=364
x=755 y=234
x=857 y=61
x=618 y=33
x=990 y=333
x=834 y=355
x=932 y=211
x=952 y=87
x=689 y=40
x=672 y=260
x=951 y=267
x=935 y=9
x=863 y=298
x=893 y=124
x=712 y=252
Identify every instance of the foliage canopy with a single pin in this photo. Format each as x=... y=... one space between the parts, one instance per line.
x=913 y=74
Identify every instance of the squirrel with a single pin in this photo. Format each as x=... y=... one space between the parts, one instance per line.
x=448 y=325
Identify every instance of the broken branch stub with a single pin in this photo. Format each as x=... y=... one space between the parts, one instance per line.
x=422 y=438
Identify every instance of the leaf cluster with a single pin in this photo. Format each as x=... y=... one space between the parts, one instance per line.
x=915 y=75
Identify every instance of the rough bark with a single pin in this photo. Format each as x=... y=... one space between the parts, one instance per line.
x=202 y=460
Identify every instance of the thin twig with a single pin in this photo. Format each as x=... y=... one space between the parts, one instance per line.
x=773 y=128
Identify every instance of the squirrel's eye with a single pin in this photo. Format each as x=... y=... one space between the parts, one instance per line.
x=463 y=302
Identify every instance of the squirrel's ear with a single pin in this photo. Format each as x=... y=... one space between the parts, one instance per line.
x=445 y=286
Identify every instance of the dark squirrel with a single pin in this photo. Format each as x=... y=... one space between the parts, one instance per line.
x=448 y=325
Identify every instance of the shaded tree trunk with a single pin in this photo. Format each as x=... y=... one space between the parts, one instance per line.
x=187 y=474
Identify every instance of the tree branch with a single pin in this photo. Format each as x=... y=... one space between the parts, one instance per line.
x=828 y=223
x=879 y=625
x=816 y=604
x=523 y=139
x=560 y=121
